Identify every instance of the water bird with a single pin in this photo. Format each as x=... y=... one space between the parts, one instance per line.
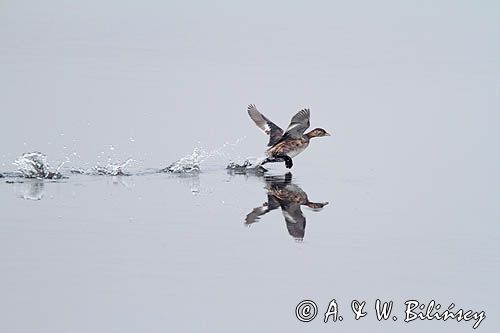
x=284 y=145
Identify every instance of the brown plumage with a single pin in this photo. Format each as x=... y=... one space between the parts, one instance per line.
x=284 y=145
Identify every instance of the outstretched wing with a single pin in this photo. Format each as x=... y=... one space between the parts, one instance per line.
x=295 y=220
x=298 y=125
x=257 y=212
x=275 y=132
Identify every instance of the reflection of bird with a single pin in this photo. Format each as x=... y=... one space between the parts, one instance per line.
x=288 y=144
x=281 y=192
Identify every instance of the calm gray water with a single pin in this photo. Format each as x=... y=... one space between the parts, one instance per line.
x=409 y=91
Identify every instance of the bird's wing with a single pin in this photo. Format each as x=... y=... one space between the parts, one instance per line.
x=298 y=125
x=275 y=132
x=257 y=212
x=295 y=220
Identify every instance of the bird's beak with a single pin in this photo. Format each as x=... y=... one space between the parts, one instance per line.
x=327 y=134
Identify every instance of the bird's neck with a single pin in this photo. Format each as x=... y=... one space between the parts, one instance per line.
x=310 y=135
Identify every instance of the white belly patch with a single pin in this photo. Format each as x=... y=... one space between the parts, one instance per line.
x=295 y=152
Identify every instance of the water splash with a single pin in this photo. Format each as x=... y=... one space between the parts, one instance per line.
x=192 y=163
x=247 y=167
x=35 y=165
x=187 y=164
x=110 y=169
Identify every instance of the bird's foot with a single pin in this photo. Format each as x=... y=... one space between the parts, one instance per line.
x=266 y=160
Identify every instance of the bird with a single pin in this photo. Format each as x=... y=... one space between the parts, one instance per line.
x=285 y=145
x=283 y=193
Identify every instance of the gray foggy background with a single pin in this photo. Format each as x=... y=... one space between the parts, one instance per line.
x=409 y=90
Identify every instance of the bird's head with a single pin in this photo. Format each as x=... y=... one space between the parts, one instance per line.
x=317 y=132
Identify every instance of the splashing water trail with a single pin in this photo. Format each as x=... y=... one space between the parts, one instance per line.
x=187 y=164
x=110 y=169
x=192 y=163
x=34 y=165
x=248 y=166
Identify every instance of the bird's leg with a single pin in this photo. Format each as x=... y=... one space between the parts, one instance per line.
x=279 y=158
x=287 y=159
x=267 y=160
